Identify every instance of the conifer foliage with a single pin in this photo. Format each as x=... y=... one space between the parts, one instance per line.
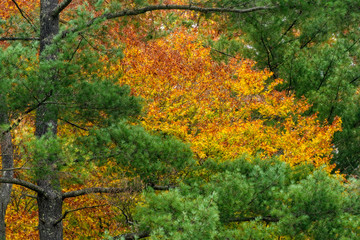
x=95 y=118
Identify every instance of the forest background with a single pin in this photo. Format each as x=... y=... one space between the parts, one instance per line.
x=134 y=114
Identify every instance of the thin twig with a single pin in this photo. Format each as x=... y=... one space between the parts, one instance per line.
x=73 y=124
x=75 y=210
x=218 y=51
x=86 y=191
x=76 y=49
x=27 y=18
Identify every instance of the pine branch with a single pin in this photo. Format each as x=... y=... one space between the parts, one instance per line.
x=60 y=7
x=86 y=191
x=144 y=234
x=18 y=120
x=23 y=183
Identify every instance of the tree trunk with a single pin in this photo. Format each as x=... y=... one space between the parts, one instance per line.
x=7 y=163
x=50 y=212
x=50 y=204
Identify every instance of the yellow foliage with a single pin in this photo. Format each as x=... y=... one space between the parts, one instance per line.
x=223 y=110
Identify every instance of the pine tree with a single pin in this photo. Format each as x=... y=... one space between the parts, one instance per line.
x=62 y=85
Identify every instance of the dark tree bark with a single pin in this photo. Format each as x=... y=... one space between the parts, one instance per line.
x=7 y=163
x=50 y=204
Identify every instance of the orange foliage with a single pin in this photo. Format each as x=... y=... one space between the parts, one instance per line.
x=87 y=216
x=21 y=216
x=93 y=213
x=223 y=110
x=8 y=7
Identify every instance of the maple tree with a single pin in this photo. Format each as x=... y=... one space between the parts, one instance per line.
x=223 y=110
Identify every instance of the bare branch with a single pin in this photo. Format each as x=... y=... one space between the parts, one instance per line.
x=29 y=195
x=267 y=219
x=161 y=188
x=73 y=124
x=134 y=12
x=93 y=190
x=75 y=210
x=354 y=80
x=327 y=71
x=19 y=39
x=23 y=183
x=218 y=51
x=76 y=49
x=12 y=169
x=60 y=7
x=314 y=35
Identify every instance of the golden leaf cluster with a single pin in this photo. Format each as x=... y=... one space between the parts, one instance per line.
x=222 y=109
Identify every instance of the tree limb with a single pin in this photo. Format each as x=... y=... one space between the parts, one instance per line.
x=269 y=55
x=12 y=169
x=76 y=49
x=132 y=236
x=314 y=35
x=354 y=80
x=60 y=7
x=75 y=210
x=18 y=120
x=218 y=51
x=19 y=39
x=86 y=191
x=335 y=100
x=73 y=124
x=134 y=12
x=161 y=188
x=325 y=74
x=267 y=219
x=23 y=183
